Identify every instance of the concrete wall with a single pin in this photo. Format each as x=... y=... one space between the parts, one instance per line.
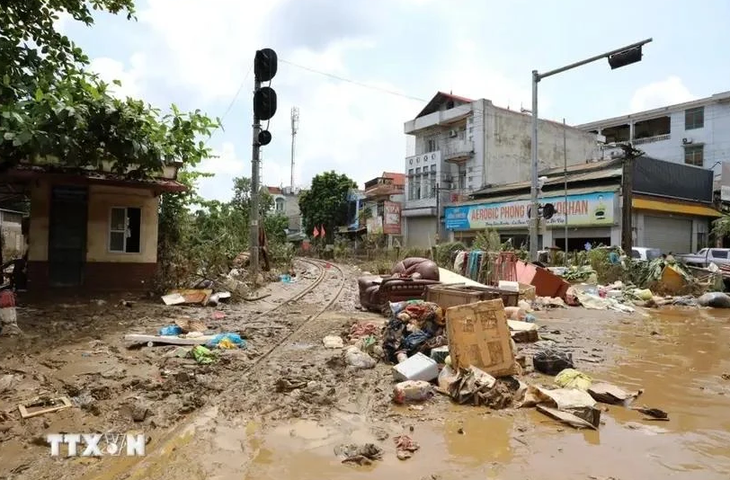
x=101 y=200
x=509 y=134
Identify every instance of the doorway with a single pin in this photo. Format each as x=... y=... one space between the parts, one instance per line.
x=67 y=236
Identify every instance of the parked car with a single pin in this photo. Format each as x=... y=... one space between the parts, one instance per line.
x=706 y=256
x=645 y=254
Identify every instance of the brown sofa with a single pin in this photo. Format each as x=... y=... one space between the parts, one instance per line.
x=408 y=281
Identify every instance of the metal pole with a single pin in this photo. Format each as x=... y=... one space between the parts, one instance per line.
x=592 y=59
x=254 y=224
x=565 y=174
x=626 y=196
x=438 y=215
x=533 y=192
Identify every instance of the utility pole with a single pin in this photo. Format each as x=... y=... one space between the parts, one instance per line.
x=255 y=187
x=627 y=186
x=565 y=174
x=294 y=129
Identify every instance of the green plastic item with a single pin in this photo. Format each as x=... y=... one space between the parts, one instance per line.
x=203 y=355
x=571 y=378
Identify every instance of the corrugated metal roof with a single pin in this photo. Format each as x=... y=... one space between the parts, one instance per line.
x=577 y=177
x=526 y=196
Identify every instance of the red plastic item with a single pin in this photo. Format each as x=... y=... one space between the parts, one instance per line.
x=7 y=299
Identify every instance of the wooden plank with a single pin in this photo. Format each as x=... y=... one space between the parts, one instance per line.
x=25 y=414
x=166 y=339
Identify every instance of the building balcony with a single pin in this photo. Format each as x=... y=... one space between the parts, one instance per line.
x=458 y=151
x=655 y=138
x=443 y=117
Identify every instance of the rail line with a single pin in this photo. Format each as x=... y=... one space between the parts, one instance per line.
x=321 y=264
x=140 y=468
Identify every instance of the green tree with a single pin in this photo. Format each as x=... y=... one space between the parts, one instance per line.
x=325 y=203
x=52 y=108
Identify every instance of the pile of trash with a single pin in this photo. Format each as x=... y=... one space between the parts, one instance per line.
x=194 y=339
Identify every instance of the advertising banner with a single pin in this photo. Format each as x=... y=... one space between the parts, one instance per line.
x=589 y=209
x=391 y=222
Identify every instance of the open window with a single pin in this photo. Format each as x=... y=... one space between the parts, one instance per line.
x=124 y=230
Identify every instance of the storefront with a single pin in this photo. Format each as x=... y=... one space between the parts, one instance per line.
x=591 y=217
x=671 y=225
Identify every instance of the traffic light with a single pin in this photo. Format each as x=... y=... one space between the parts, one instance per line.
x=627 y=57
x=265 y=65
x=264 y=103
x=548 y=210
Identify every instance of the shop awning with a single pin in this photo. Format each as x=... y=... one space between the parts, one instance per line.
x=672 y=207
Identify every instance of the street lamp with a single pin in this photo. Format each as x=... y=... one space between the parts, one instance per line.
x=616 y=59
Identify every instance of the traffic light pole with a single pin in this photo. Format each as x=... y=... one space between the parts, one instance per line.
x=255 y=190
x=616 y=58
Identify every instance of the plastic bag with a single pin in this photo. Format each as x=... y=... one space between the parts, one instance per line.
x=552 y=362
x=171 y=331
x=359 y=359
x=571 y=378
x=714 y=300
x=412 y=391
x=230 y=337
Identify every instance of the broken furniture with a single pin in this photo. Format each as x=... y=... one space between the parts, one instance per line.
x=451 y=295
x=408 y=281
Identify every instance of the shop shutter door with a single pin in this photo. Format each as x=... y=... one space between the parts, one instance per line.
x=421 y=232
x=668 y=234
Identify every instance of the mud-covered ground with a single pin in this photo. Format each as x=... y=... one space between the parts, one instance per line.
x=281 y=413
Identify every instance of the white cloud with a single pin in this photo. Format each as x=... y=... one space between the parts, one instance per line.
x=211 y=46
x=659 y=94
x=110 y=70
x=343 y=126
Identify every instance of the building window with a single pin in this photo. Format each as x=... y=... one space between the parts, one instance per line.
x=432 y=180
x=694 y=155
x=279 y=204
x=432 y=145
x=694 y=118
x=124 y=230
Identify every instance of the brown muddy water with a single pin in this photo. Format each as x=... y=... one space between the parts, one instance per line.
x=677 y=356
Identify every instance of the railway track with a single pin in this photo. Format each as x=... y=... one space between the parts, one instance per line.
x=158 y=457
x=323 y=267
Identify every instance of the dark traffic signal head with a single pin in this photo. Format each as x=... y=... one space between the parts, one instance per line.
x=627 y=57
x=265 y=64
x=264 y=103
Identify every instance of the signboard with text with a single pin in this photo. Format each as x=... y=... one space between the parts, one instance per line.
x=589 y=209
x=391 y=222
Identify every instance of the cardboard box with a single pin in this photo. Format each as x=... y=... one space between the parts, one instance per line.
x=479 y=336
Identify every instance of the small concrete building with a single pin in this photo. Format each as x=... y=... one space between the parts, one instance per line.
x=463 y=145
x=90 y=228
x=286 y=202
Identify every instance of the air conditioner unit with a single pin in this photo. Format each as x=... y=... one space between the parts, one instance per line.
x=686 y=141
x=453 y=133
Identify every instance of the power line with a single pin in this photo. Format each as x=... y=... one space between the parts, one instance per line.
x=354 y=82
x=230 y=105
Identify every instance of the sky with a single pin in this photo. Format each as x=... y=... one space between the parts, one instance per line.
x=358 y=69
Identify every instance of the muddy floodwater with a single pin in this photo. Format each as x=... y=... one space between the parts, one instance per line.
x=677 y=356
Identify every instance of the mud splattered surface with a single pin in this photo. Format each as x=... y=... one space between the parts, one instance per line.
x=285 y=416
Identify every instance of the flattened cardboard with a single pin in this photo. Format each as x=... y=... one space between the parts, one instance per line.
x=479 y=336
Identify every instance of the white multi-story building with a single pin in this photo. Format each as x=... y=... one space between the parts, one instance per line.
x=695 y=133
x=462 y=145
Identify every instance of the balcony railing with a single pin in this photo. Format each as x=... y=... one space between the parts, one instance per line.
x=457 y=149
